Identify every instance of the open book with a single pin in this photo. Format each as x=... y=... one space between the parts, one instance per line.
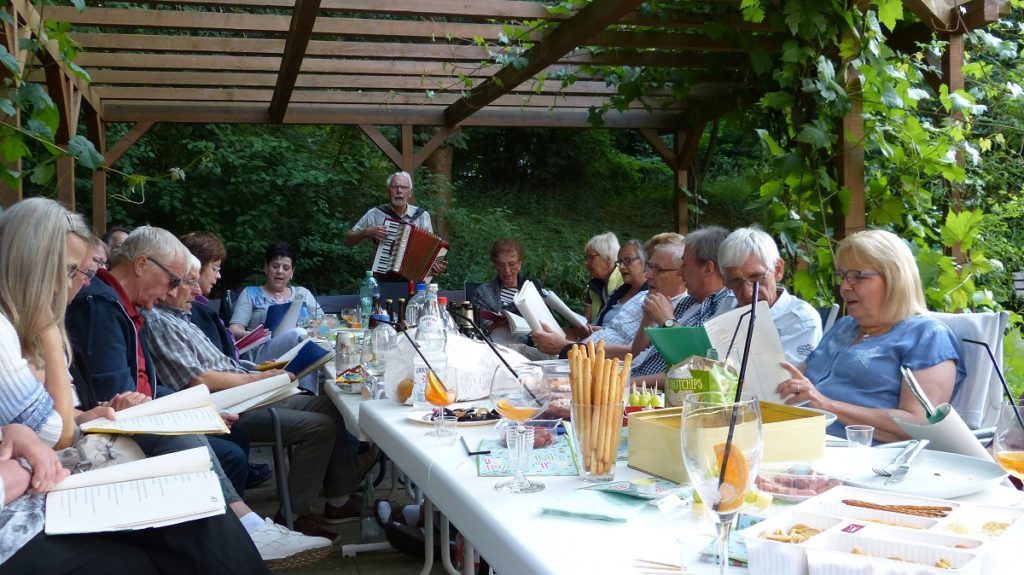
x=555 y=303
x=254 y=395
x=182 y=413
x=255 y=338
x=153 y=492
x=282 y=317
x=516 y=323
x=533 y=309
x=305 y=357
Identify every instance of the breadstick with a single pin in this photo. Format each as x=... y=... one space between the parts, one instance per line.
x=607 y=412
x=574 y=374
x=600 y=380
x=588 y=390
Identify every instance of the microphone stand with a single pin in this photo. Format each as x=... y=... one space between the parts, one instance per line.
x=739 y=390
x=999 y=372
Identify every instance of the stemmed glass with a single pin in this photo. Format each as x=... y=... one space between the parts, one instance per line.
x=519 y=398
x=377 y=344
x=721 y=471
x=1008 y=444
x=441 y=397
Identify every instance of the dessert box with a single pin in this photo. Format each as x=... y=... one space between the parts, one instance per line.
x=848 y=530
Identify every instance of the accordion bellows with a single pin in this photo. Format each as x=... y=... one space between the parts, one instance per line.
x=408 y=251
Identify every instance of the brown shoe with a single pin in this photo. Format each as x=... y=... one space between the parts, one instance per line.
x=367 y=460
x=307 y=525
x=350 y=511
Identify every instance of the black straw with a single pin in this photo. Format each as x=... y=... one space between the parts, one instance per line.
x=999 y=372
x=739 y=391
x=400 y=327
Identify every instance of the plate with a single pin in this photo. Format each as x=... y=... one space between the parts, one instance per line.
x=830 y=417
x=424 y=418
x=933 y=474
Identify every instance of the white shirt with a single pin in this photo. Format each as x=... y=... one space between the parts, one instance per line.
x=799 y=326
x=375 y=218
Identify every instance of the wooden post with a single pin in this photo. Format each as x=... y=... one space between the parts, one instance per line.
x=952 y=72
x=98 y=135
x=68 y=101
x=850 y=166
x=10 y=194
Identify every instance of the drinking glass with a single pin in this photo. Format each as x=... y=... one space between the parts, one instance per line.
x=1008 y=444
x=721 y=443
x=377 y=344
x=519 y=398
x=440 y=396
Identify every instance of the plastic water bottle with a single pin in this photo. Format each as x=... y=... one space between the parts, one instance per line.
x=414 y=308
x=431 y=338
x=446 y=317
x=368 y=291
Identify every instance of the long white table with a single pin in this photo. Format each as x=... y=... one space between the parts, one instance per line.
x=511 y=532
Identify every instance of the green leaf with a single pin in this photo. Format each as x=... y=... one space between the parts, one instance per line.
x=42 y=174
x=817 y=134
x=805 y=285
x=889 y=11
x=773 y=147
x=778 y=100
x=83 y=150
x=9 y=62
x=79 y=4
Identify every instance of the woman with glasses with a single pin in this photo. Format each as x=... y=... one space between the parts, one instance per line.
x=599 y=259
x=499 y=293
x=855 y=370
x=631 y=265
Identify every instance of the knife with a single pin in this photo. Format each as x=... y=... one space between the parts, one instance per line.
x=901 y=472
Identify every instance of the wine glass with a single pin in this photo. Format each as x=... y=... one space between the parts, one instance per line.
x=377 y=344
x=440 y=396
x=1008 y=444
x=721 y=443
x=519 y=397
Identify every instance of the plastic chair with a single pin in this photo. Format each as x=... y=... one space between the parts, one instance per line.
x=227 y=305
x=828 y=317
x=981 y=392
x=280 y=452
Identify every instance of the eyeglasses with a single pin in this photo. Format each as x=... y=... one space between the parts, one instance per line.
x=175 y=280
x=626 y=262
x=854 y=277
x=656 y=270
x=74 y=269
x=216 y=269
x=507 y=265
x=736 y=284
x=590 y=257
x=192 y=283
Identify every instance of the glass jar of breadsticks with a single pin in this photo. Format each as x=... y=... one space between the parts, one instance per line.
x=598 y=384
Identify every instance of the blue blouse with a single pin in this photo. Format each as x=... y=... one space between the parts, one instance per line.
x=867 y=373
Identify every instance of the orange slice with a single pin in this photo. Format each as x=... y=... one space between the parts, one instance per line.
x=516 y=413
x=737 y=476
x=436 y=393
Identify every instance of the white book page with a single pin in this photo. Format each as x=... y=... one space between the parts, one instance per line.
x=534 y=310
x=517 y=325
x=272 y=396
x=225 y=399
x=136 y=504
x=291 y=353
x=185 y=422
x=187 y=398
x=950 y=434
x=764 y=367
x=188 y=461
x=554 y=302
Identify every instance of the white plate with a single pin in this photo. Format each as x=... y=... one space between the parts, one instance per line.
x=933 y=474
x=830 y=417
x=424 y=418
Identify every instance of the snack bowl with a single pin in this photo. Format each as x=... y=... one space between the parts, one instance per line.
x=766 y=555
x=794 y=481
x=842 y=553
x=545 y=431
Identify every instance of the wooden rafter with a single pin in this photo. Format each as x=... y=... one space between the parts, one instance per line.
x=303 y=18
x=589 y=21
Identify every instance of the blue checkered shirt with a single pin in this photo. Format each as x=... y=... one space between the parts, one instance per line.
x=690 y=312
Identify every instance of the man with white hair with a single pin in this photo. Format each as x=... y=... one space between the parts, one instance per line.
x=750 y=255
x=371 y=225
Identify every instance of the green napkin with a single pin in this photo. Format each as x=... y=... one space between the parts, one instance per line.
x=602 y=506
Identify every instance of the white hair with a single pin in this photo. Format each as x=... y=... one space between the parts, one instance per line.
x=152 y=242
x=403 y=174
x=745 y=242
x=193 y=264
x=606 y=245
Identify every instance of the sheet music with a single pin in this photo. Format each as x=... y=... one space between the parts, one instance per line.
x=192 y=460
x=267 y=398
x=534 y=310
x=137 y=504
x=225 y=399
x=764 y=367
x=188 y=398
x=554 y=302
x=185 y=422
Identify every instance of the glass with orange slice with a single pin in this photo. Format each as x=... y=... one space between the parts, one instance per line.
x=519 y=396
x=441 y=397
x=1008 y=444
x=721 y=442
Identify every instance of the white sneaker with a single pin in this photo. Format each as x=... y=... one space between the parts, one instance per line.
x=276 y=542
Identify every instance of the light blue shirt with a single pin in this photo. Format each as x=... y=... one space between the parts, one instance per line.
x=867 y=373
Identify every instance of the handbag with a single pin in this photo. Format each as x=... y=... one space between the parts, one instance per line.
x=99 y=450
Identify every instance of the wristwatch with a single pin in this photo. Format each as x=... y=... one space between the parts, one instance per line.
x=670 y=322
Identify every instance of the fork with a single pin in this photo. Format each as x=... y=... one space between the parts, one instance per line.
x=890 y=468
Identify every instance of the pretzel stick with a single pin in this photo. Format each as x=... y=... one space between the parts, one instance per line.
x=600 y=381
x=582 y=431
x=919 y=510
x=607 y=412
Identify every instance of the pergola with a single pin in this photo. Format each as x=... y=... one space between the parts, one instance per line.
x=440 y=64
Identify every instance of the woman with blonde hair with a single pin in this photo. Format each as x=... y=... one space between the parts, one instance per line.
x=855 y=370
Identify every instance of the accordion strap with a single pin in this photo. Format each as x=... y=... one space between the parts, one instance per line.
x=390 y=212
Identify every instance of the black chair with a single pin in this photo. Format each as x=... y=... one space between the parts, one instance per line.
x=227 y=305
x=336 y=303
x=394 y=290
x=469 y=288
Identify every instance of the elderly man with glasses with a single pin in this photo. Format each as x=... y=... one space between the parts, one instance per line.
x=750 y=255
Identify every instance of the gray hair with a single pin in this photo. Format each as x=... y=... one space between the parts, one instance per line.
x=638 y=247
x=151 y=242
x=193 y=264
x=403 y=174
x=674 y=248
x=703 y=244
x=745 y=242
x=606 y=245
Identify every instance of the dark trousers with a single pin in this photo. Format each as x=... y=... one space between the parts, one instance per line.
x=233 y=457
x=215 y=545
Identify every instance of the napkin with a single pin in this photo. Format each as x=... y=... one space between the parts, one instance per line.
x=598 y=505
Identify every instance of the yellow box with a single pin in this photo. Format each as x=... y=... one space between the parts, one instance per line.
x=790 y=434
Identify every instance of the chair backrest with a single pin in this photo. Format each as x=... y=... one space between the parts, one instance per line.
x=470 y=289
x=981 y=392
x=336 y=303
x=828 y=316
x=227 y=305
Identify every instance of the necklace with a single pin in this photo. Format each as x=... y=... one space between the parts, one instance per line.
x=278 y=295
x=864 y=333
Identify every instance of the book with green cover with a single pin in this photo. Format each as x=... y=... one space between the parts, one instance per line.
x=679 y=342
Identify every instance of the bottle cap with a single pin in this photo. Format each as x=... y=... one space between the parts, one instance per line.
x=442 y=301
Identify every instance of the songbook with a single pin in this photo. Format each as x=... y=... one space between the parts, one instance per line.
x=305 y=358
x=945 y=431
x=152 y=492
x=517 y=324
x=254 y=395
x=555 y=303
x=185 y=412
x=408 y=251
x=533 y=309
x=282 y=317
x=254 y=339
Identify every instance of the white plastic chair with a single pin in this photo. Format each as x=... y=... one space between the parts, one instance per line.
x=981 y=391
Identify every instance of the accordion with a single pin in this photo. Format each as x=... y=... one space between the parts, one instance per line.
x=408 y=251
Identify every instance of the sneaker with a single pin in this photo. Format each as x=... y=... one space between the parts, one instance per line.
x=276 y=543
x=308 y=525
x=350 y=511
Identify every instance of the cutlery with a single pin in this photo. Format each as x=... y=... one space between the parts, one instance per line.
x=889 y=468
x=904 y=467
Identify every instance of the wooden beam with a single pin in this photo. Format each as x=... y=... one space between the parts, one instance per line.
x=10 y=35
x=303 y=18
x=127 y=141
x=407 y=149
x=664 y=152
x=436 y=141
x=385 y=146
x=590 y=20
x=97 y=132
x=936 y=14
x=68 y=101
